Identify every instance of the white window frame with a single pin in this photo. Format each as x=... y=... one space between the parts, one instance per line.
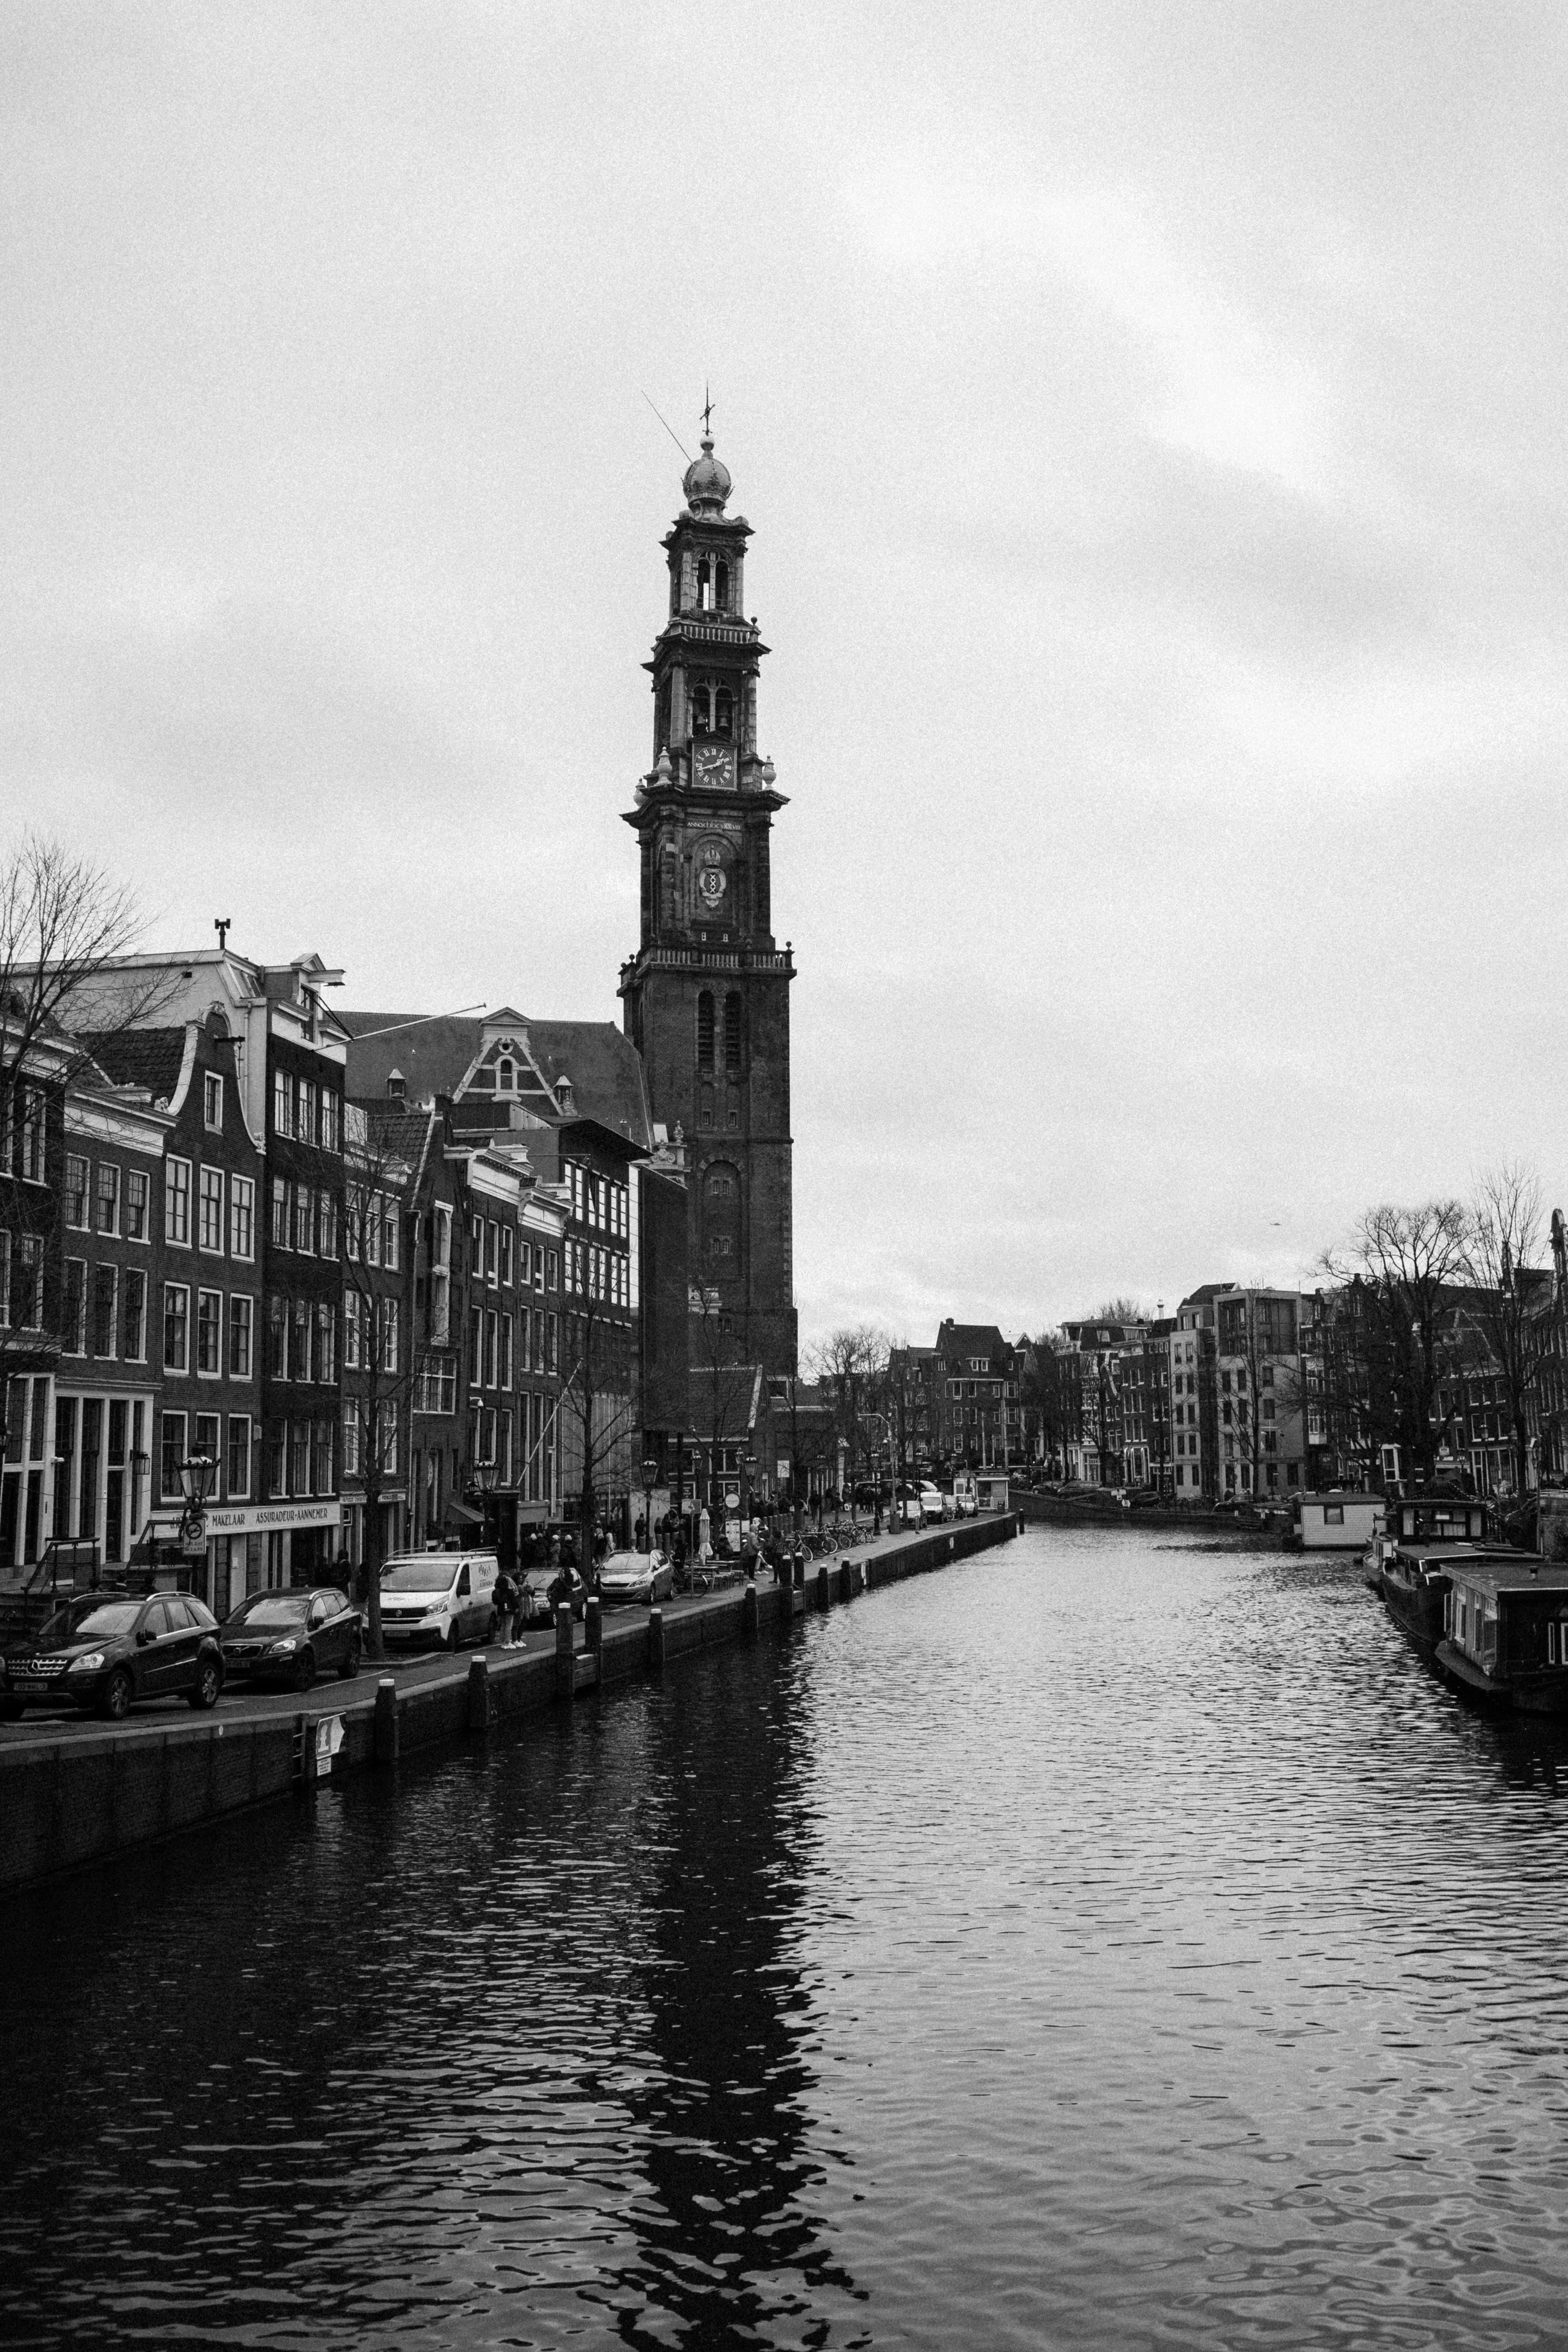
x=212 y=1092
x=182 y=1369
x=176 y=1202
x=204 y=1199
x=242 y=1208
x=241 y=1317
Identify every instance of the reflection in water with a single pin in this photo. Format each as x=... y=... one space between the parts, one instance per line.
x=1110 y=1942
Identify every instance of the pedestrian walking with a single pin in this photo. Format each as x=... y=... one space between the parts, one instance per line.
x=505 y=1601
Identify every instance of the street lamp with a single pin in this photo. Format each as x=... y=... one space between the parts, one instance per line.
x=649 y=1473
x=199 y=1476
x=749 y=1473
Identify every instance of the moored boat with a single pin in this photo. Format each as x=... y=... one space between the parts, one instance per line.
x=1505 y=1632
x=1414 y=1580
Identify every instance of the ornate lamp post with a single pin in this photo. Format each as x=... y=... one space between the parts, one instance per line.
x=649 y=1473
x=199 y=1476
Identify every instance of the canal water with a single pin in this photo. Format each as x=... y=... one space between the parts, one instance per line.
x=1111 y=1941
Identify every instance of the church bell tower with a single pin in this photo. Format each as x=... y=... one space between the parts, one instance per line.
x=707 y=994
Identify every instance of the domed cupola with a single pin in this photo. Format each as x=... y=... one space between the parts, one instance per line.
x=707 y=482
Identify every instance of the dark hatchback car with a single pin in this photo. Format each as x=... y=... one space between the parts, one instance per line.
x=118 y=1649
x=292 y=1636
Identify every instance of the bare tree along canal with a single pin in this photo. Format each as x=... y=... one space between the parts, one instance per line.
x=1108 y=1942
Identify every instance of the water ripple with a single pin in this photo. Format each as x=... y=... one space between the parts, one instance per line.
x=1110 y=1942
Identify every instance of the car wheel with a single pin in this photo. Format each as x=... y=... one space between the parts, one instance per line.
x=117 y=1696
x=209 y=1682
x=12 y=1710
x=349 y=1666
x=305 y=1669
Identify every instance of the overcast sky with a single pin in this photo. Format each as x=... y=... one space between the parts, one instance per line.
x=1151 y=421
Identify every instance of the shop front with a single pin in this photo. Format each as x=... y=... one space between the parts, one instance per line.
x=256 y=1546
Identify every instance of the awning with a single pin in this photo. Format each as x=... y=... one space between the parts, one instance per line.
x=460 y=1516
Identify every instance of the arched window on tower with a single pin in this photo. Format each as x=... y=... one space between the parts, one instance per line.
x=704 y=586
x=506 y=1076
x=722 y=586
x=724 y=713
x=732 y=1030
x=701 y=710
x=705 y=1031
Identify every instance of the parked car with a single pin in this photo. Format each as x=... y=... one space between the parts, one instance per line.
x=965 y=1497
x=641 y=1576
x=437 y=1600
x=116 y=1651
x=292 y=1636
x=907 y=1511
x=936 y=1506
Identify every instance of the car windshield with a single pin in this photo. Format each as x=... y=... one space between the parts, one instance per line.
x=103 y=1623
x=271 y=1609
x=417 y=1576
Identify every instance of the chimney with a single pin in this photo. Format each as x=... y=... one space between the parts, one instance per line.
x=396 y=1085
x=564 y=1101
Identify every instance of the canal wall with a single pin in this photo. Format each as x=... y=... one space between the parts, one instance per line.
x=78 y=1798
x=1069 y=1511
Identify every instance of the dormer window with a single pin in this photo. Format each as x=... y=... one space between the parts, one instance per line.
x=506 y=1076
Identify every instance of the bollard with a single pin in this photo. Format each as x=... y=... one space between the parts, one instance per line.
x=823 y=1594
x=478 y=1693
x=565 y=1671
x=858 y=1581
x=749 y=1610
x=593 y=1624
x=655 y=1639
x=386 y=1720
x=846 y=1579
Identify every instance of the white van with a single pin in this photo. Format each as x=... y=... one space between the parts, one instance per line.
x=437 y=1600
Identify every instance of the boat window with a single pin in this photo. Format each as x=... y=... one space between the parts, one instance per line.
x=1333 y=1515
x=1551 y=1643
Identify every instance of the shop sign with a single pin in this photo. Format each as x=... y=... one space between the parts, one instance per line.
x=250 y=1518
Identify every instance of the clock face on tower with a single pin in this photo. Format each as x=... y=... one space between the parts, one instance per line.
x=713 y=764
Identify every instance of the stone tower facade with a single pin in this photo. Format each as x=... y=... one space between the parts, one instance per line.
x=707 y=994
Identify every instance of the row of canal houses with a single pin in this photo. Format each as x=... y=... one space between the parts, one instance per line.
x=1248 y=1393
x=281 y=1283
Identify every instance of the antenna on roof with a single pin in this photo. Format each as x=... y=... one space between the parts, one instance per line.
x=672 y=433
x=222 y=925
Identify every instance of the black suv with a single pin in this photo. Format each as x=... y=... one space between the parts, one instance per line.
x=117 y=1649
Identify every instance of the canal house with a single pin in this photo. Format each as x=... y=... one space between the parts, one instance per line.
x=1506 y=1630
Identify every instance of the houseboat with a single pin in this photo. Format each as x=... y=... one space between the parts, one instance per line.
x=1337 y=1521
x=1438 y=1518
x=1505 y=1632
x=1414 y=1579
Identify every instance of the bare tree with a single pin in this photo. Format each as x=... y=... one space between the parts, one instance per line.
x=848 y=1363
x=1505 y=1231
x=596 y=1406
x=726 y=1378
x=63 y=926
x=1406 y=1262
